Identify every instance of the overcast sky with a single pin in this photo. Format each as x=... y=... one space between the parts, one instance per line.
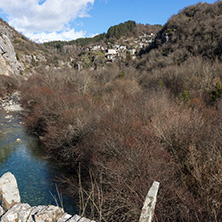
x=46 y=20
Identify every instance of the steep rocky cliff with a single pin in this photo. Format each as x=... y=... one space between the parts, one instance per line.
x=9 y=65
x=19 y=55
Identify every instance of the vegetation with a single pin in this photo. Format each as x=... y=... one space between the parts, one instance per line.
x=195 y=31
x=123 y=29
x=129 y=28
x=120 y=128
x=79 y=42
x=7 y=85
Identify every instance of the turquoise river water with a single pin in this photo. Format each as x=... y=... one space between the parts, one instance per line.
x=35 y=174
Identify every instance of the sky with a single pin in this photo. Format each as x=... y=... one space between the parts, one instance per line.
x=48 y=20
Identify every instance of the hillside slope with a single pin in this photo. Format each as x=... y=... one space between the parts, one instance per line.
x=9 y=64
x=19 y=55
x=194 y=31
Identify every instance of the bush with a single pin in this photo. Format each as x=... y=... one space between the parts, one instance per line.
x=7 y=85
x=193 y=141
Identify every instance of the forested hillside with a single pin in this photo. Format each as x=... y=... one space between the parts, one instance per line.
x=194 y=31
x=126 y=29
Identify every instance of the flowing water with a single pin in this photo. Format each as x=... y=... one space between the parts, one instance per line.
x=21 y=154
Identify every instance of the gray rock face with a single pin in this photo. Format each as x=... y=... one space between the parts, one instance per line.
x=9 y=192
x=9 y=65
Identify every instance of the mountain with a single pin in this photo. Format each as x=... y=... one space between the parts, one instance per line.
x=17 y=52
x=126 y=29
x=194 y=31
x=120 y=44
x=20 y=56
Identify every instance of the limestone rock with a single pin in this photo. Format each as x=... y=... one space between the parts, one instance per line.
x=149 y=203
x=9 y=65
x=65 y=217
x=9 y=192
x=18 y=213
x=68 y=218
x=49 y=214
x=26 y=213
x=1 y=211
x=77 y=218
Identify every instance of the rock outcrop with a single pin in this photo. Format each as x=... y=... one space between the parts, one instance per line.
x=9 y=65
x=149 y=203
x=14 y=211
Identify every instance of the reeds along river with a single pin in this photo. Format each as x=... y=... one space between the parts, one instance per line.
x=21 y=154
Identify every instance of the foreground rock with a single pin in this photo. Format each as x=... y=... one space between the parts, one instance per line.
x=14 y=211
x=147 y=213
x=9 y=192
x=26 y=213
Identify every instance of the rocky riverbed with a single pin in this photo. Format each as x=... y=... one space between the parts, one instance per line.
x=11 y=103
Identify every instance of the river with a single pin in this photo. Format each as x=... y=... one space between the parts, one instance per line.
x=21 y=154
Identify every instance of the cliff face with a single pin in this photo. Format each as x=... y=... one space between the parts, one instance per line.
x=18 y=55
x=9 y=65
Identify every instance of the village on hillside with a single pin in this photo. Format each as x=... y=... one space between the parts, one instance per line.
x=124 y=46
x=95 y=55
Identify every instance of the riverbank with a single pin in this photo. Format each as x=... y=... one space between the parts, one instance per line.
x=21 y=153
x=10 y=103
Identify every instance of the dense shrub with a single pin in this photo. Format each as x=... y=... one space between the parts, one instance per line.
x=125 y=136
x=7 y=85
x=119 y=129
x=195 y=31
